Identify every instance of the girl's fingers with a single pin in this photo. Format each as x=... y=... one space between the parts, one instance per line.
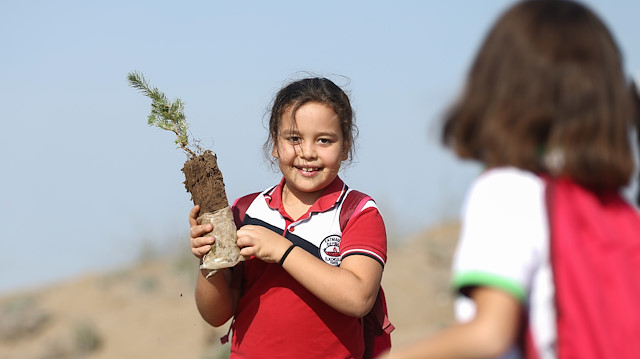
x=200 y=251
x=193 y=215
x=247 y=251
x=202 y=241
x=199 y=230
x=243 y=239
x=201 y=245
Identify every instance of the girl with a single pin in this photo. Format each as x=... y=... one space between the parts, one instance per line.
x=306 y=283
x=546 y=100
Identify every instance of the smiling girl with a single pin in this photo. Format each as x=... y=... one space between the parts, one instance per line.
x=307 y=282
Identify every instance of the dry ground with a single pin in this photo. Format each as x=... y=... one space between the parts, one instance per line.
x=148 y=311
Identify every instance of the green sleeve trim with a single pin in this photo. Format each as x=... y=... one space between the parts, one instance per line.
x=477 y=278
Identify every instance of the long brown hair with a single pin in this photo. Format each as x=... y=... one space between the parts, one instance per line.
x=547 y=83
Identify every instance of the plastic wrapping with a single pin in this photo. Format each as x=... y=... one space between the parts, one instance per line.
x=224 y=252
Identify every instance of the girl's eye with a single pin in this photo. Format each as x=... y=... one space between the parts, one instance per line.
x=294 y=139
x=325 y=141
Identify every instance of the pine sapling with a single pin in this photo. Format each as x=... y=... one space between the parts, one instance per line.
x=203 y=179
x=165 y=114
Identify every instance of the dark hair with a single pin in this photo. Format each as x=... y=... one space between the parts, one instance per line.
x=315 y=89
x=547 y=80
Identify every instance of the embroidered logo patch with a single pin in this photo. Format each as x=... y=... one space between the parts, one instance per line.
x=330 y=250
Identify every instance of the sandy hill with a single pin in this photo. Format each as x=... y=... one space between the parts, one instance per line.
x=148 y=311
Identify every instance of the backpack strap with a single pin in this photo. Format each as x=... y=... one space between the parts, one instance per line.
x=376 y=324
x=380 y=311
x=240 y=207
x=352 y=205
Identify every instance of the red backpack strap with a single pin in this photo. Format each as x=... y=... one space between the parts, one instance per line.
x=377 y=328
x=380 y=311
x=376 y=324
x=240 y=207
x=352 y=205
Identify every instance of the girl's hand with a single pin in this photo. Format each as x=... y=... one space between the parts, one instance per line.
x=261 y=243
x=199 y=245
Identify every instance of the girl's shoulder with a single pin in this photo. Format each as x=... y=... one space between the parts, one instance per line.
x=247 y=199
x=508 y=182
x=511 y=176
x=505 y=193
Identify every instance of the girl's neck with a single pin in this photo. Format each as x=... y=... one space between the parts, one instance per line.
x=297 y=203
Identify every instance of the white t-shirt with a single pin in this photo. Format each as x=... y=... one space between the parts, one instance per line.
x=504 y=243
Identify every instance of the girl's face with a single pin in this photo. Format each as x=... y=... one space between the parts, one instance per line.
x=310 y=150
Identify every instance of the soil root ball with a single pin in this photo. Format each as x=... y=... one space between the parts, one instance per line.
x=204 y=181
x=224 y=252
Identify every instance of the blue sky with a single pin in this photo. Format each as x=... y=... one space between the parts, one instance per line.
x=86 y=184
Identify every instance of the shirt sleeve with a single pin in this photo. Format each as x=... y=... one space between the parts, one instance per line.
x=503 y=224
x=365 y=234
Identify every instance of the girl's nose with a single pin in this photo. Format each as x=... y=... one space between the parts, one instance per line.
x=307 y=150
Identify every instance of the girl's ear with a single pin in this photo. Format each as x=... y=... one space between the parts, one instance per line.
x=274 y=151
x=345 y=151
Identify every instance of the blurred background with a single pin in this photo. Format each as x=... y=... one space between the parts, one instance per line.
x=92 y=200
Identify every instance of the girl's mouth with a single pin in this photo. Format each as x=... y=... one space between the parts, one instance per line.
x=308 y=171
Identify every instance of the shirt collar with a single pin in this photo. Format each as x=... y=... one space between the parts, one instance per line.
x=328 y=198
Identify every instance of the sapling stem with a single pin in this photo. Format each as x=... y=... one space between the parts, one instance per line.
x=165 y=114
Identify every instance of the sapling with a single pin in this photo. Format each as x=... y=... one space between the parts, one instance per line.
x=203 y=179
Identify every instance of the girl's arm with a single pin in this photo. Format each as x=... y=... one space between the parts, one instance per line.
x=350 y=288
x=493 y=330
x=215 y=299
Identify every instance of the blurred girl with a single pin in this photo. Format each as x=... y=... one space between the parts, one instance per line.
x=546 y=101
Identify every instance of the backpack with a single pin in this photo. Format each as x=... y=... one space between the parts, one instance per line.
x=376 y=325
x=595 y=257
